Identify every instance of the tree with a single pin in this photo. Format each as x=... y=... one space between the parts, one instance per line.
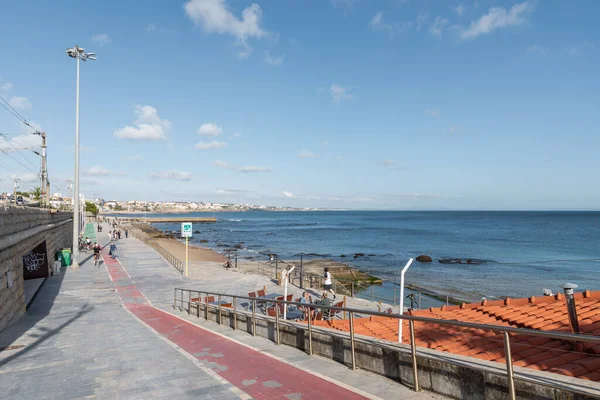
x=92 y=208
x=118 y=207
x=36 y=193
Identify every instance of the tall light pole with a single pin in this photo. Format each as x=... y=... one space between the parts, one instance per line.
x=79 y=54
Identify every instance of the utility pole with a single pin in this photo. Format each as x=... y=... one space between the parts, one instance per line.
x=45 y=188
x=15 y=192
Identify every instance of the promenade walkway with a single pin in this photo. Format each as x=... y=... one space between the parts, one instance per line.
x=106 y=332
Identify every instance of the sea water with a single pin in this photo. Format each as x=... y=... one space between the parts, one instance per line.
x=526 y=252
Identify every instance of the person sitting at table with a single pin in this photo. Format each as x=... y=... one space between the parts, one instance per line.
x=305 y=299
x=325 y=301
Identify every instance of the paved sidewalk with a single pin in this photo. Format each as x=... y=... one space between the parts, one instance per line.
x=80 y=339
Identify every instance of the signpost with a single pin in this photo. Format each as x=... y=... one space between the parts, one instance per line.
x=186 y=232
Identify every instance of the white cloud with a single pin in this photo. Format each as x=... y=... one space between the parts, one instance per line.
x=171 y=175
x=101 y=39
x=452 y=129
x=576 y=50
x=388 y=163
x=149 y=126
x=19 y=103
x=26 y=141
x=6 y=87
x=235 y=135
x=377 y=20
x=378 y=23
x=241 y=169
x=306 y=154
x=537 y=50
x=272 y=59
x=215 y=16
x=496 y=18
x=96 y=171
x=210 y=145
x=210 y=130
x=434 y=112
x=459 y=10
x=287 y=194
x=339 y=93
x=438 y=26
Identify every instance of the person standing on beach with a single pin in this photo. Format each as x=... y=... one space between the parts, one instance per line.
x=327 y=285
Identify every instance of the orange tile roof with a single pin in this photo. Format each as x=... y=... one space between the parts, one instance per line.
x=548 y=313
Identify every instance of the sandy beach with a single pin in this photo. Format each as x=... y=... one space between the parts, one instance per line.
x=195 y=253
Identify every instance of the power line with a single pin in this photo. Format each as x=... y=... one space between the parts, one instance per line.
x=19 y=162
x=11 y=110
x=18 y=151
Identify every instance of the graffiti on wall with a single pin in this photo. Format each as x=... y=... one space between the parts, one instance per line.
x=35 y=262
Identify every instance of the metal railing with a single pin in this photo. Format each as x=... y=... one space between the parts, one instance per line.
x=182 y=297
x=174 y=261
x=365 y=291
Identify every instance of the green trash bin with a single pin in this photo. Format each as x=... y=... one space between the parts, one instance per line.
x=65 y=257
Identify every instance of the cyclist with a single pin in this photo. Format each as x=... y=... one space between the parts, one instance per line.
x=88 y=243
x=96 y=253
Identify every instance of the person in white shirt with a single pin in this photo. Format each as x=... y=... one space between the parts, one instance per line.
x=327 y=283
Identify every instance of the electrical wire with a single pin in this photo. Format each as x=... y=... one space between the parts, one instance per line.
x=19 y=162
x=18 y=151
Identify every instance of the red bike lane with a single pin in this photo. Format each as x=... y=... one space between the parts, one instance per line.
x=256 y=374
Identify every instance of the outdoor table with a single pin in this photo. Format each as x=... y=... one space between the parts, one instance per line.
x=293 y=314
x=261 y=299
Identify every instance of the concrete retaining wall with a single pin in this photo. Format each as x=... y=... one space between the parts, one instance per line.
x=21 y=230
x=439 y=372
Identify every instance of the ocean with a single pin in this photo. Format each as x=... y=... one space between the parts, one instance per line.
x=525 y=252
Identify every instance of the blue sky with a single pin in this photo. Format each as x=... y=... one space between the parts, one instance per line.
x=383 y=104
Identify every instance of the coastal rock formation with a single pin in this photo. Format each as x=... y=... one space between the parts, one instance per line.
x=471 y=261
x=239 y=245
x=342 y=256
x=203 y=241
x=424 y=258
x=358 y=255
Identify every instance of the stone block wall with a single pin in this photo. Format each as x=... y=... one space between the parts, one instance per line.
x=16 y=221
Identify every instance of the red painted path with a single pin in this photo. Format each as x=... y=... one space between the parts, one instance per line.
x=256 y=374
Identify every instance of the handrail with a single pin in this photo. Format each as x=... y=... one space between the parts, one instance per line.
x=174 y=261
x=503 y=330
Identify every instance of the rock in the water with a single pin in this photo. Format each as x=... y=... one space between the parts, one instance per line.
x=203 y=241
x=343 y=255
x=424 y=258
x=238 y=246
x=357 y=255
x=196 y=231
x=470 y=261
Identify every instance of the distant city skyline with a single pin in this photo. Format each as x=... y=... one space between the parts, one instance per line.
x=461 y=105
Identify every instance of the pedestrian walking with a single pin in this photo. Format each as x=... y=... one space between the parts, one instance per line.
x=113 y=250
x=126 y=233
x=327 y=285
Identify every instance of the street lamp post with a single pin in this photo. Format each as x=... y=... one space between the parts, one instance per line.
x=79 y=54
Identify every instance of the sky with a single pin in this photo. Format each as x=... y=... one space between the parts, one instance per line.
x=387 y=104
